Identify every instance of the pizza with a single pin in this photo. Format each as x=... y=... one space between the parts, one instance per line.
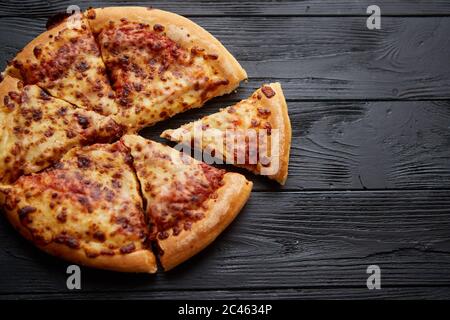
x=262 y=119
x=189 y=203
x=86 y=209
x=37 y=129
x=76 y=180
x=160 y=63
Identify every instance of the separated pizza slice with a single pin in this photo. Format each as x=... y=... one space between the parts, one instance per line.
x=188 y=202
x=36 y=129
x=65 y=61
x=254 y=134
x=160 y=63
x=86 y=209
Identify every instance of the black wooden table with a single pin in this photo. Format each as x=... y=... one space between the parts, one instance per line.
x=369 y=175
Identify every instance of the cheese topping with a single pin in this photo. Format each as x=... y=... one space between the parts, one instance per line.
x=241 y=134
x=67 y=63
x=36 y=129
x=154 y=78
x=88 y=201
x=175 y=186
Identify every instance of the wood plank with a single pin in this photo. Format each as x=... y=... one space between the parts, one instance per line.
x=232 y=8
x=280 y=241
x=327 y=58
x=357 y=145
x=432 y=293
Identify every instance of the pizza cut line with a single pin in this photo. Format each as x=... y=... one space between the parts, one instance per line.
x=36 y=129
x=189 y=203
x=75 y=179
x=160 y=63
x=66 y=62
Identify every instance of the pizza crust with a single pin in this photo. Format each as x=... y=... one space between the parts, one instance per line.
x=26 y=54
x=280 y=120
x=221 y=211
x=177 y=28
x=143 y=261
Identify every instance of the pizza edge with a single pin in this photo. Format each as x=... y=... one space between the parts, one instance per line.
x=27 y=52
x=227 y=63
x=139 y=261
x=232 y=197
x=142 y=261
x=8 y=84
x=280 y=118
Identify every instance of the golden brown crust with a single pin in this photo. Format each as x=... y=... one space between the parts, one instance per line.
x=138 y=261
x=87 y=209
x=26 y=54
x=177 y=28
x=280 y=119
x=221 y=211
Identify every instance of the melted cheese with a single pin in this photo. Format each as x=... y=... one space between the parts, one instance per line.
x=154 y=77
x=36 y=130
x=226 y=134
x=174 y=185
x=69 y=66
x=89 y=201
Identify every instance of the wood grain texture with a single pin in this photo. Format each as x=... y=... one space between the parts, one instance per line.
x=433 y=293
x=357 y=145
x=302 y=240
x=329 y=58
x=370 y=113
x=233 y=8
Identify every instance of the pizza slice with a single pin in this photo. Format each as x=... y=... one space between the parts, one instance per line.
x=66 y=62
x=189 y=203
x=36 y=129
x=160 y=63
x=254 y=134
x=86 y=209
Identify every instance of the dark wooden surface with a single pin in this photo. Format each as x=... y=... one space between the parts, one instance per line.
x=369 y=175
